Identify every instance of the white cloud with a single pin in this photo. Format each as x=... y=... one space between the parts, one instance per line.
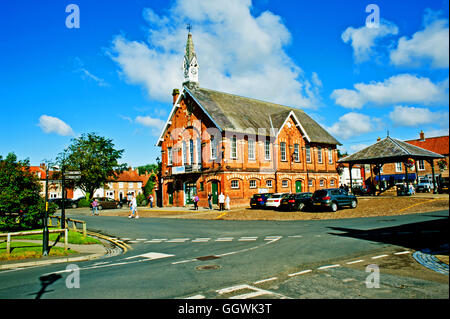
x=237 y=52
x=414 y=116
x=364 y=39
x=402 y=88
x=358 y=147
x=354 y=124
x=50 y=124
x=156 y=125
x=430 y=45
x=89 y=75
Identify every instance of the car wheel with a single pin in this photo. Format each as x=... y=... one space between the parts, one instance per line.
x=99 y=207
x=119 y=206
x=334 y=207
x=354 y=204
x=74 y=205
x=301 y=206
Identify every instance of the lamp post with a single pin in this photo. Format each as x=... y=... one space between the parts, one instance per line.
x=45 y=232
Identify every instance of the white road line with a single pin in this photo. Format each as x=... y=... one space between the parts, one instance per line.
x=183 y=261
x=247 y=238
x=329 y=266
x=152 y=256
x=300 y=273
x=295 y=236
x=141 y=239
x=273 y=237
x=133 y=241
x=225 y=239
x=196 y=297
x=402 y=252
x=231 y=289
x=125 y=238
x=153 y=241
x=355 y=261
x=250 y=295
x=265 y=280
x=380 y=256
x=177 y=240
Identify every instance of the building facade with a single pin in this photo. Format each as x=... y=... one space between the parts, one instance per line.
x=215 y=142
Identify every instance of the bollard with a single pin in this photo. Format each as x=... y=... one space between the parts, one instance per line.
x=66 y=238
x=8 y=244
x=84 y=230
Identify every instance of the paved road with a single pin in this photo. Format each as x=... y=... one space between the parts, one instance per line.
x=178 y=258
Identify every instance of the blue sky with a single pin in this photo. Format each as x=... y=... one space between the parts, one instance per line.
x=115 y=73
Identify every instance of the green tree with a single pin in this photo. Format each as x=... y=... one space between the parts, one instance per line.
x=21 y=205
x=95 y=157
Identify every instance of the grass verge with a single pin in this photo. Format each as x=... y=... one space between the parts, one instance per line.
x=24 y=250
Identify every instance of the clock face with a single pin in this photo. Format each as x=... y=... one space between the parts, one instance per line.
x=194 y=71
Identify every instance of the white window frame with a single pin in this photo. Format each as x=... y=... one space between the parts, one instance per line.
x=233 y=148
x=308 y=154
x=310 y=183
x=269 y=183
x=169 y=156
x=319 y=155
x=330 y=156
x=130 y=185
x=120 y=184
x=332 y=182
x=399 y=167
x=296 y=153
x=267 y=152
x=283 y=151
x=285 y=183
x=252 y=183
x=322 y=183
x=213 y=146
x=421 y=165
x=251 y=149
x=234 y=184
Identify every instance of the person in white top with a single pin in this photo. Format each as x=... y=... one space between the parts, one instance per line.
x=221 y=201
x=227 y=203
x=133 y=205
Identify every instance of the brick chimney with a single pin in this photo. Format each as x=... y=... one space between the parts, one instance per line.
x=175 y=94
x=422 y=135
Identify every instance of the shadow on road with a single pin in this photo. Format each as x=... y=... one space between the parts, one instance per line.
x=431 y=236
x=45 y=282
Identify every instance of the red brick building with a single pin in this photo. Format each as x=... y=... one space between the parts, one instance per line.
x=215 y=142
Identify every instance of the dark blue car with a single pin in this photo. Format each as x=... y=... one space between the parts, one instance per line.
x=259 y=200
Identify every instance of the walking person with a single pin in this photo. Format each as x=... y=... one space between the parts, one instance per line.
x=210 y=201
x=221 y=201
x=95 y=207
x=150 y=200
x=227 y=203
x=196 y=200
x=133 y=206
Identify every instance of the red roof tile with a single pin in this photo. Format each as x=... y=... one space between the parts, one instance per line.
x=437 y=144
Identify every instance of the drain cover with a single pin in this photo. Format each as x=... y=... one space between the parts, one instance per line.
x=207 y=257
x=207 y=267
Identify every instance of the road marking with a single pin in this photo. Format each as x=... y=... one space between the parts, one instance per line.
x=196 y=297
x=231 y=289
x=402 y=252
x=329 y=266
x=300 y=273
x=141 y=239
x=256 y=292
x=177 y=240
x=183 y=261
x=201 y=240
x=125 y=238
x=380 y=256
x=265 y=280
x=273 y=237
x=247 y=238
x=152 y=256
x=295 y=236
x=133 y=241
x=355 y=261
x=251 y=295
x=224 y=239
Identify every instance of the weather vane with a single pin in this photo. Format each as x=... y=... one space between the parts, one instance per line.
x=189 y=27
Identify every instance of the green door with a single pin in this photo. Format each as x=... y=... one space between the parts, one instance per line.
x=170 y=193
x=190 y=189
x=215 y=190
x=298 y=186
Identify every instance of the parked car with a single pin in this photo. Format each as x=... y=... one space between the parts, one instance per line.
x=332 y=199
x=424 y=186
x=274 y=201
x=443 y=186
x=296 y=201
x=106 y=202
x=362 y=190
x=68 y=203
x=259 y=200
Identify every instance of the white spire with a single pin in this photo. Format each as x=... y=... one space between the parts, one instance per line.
x=190 y=65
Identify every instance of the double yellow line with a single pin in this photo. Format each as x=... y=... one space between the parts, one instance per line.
x=416 y=204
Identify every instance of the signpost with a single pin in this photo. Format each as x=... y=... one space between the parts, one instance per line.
x=69 y=175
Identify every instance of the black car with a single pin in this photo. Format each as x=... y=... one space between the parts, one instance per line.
x=333 y=198
x=68 y=203
x=296 y=201
x=361 y=190
x=106 y=202
x=259 y=200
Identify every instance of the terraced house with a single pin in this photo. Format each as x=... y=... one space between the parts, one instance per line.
x=216 y=142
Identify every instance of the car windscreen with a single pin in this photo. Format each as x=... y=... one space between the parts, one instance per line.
x=277 y=195
x=320 y=193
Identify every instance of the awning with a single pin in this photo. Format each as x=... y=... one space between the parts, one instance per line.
x=397 y=177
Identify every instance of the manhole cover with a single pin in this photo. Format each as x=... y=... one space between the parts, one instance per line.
x=207 y=267
x=207 y=257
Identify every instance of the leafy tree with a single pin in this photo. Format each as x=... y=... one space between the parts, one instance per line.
x=95 y=157
x=147 y=168
x=21 y=205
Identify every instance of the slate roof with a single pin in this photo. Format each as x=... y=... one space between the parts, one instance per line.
x=237 y=114
x=389 y=150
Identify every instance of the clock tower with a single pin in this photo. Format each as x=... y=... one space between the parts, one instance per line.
x=190 y=65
